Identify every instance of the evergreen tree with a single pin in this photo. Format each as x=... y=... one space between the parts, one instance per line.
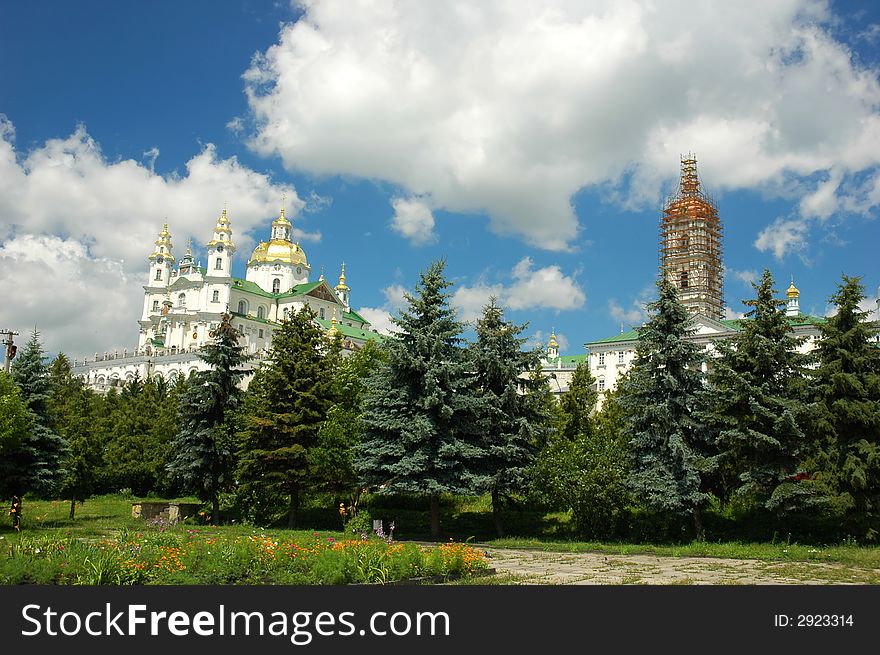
x=73 y=409
x=753 y=406
x=846 y=423
x=140 y=423
x=204 y=449
x=420 y=429
x=512 y=418
x=332 y=459
x=670 y=449
x=578 y=403
x=290 y=401
x=37 y=466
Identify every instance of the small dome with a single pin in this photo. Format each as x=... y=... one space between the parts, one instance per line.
x=792 y=291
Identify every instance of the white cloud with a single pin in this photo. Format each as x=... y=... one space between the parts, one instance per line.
x=413 y=220
x=530 y=288
x=380 y=317
x=105 y=217
x=746 y=277
x=636 y=313
x=81 y=304
x=731 y=314
x=783 y=236
x=509 y=107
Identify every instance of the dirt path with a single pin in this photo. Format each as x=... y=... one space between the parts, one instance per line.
x=540 y=567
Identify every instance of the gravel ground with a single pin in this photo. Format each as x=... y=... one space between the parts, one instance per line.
x=514 y=566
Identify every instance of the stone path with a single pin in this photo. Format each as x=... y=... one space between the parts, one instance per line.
x=540 y=567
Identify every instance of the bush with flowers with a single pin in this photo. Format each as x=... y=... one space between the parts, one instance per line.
x=197 y=555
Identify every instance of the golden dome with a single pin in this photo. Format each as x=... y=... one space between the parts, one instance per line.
x=553 y=343
x=792 y=291
x=278 y=250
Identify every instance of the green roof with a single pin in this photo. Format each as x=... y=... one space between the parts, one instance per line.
x=252 y=287
x=734 y=324
x=572 y=359
x=353 y=315
x=351 y=332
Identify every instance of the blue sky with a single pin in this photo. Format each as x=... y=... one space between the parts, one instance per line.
x=530 y=144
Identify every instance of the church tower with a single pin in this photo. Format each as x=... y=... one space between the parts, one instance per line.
x=221 y=248
x=161 y=260
x=690 y=245
x=342 y=289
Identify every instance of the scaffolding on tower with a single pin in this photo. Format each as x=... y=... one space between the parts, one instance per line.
x=691 y=245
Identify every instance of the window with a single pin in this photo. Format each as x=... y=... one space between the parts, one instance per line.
x=684 y=280
x=276 y=285
x=218 y=264
x=261 y=312
x=242 y=307
x=181 y=300
x=321 y=312
x=620 y=357
x=260 y=334
x=155 y=305
x=601 y=384
x=158 y=273
x=601 y=359
x=215 y=296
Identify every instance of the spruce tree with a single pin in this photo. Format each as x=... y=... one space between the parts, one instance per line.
x=669 y=446
x=15 y=426
x=203 y=451
x=512 y=417
x=753 y=406
x=289 y=401
x=73 y=409
x=846 y=421
x=420 y=430
x=38 y=464
x=578 y=403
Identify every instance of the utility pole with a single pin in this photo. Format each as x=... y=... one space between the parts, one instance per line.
x=11 y=348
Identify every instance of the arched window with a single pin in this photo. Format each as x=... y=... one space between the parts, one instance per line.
x=218 y=264
x=321 y=312
x=242 y=307
x=158 y=273
x=261 y=312
x=601 y=384
x=276 y=285
x=155 y=305
x=215 y=297
x=181 y=300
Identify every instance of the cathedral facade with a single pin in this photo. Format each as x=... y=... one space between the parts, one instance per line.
x=184 y=302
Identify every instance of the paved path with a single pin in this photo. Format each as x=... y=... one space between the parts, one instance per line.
x=541 y=567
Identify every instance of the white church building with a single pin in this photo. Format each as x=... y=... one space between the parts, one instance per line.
x=184 y=302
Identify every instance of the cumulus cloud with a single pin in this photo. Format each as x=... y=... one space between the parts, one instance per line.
x=746 y=277
x=107 y=214
x=413 y=220
x=783 y=236
x=636 y=312
x=509 y=107
x=380 y=317
x=81 y=304
x=529 y=288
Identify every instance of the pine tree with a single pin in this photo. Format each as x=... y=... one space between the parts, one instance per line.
x=846 y=420
x=420 y=431
x=512 y=417
x=670 y=448
x=753 y=408
x=204 y=449
x=38 y=464
x=288 y=404
x=73 y=409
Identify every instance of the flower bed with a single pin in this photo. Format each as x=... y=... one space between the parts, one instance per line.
x=195 y=556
